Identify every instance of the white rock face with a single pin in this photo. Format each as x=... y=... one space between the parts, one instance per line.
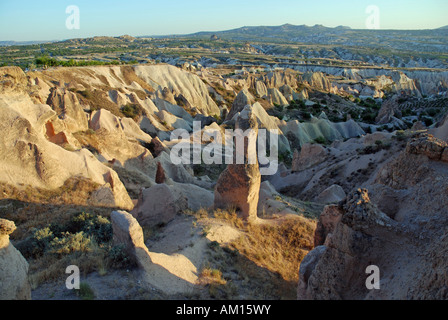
x=161 y=203
x=14 y=284
x=178 y=80
x=277 y=98
x=308 y=132
x=28 y=158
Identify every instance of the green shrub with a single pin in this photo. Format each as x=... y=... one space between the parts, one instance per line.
x=132 y=111
x=119 y=258
x=320 y=140
x=38 y=243
x=94 y=226
x=306 y=115
x=85 y=292
x=70 y=243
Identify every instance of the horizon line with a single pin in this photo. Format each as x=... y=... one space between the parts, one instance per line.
x=219 y=31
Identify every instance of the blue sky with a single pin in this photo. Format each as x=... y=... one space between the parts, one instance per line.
x=45 y=19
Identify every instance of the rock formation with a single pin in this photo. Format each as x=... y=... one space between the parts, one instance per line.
x=162 y=202
x=243 y=99
x=332 y=194
x=338 y=272
x=128 y=232
x=406 y=241
x=160 y=175
x=428 y=145
x=239 y=184
x=310 y=155
x=14 y=284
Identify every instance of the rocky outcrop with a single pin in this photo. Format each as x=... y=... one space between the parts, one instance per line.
x=430 y=146
x=161 y=203
x=328 y=220
x=277 y=98
x=332 y=194
x=128 y=232
x=318 y=80
x=441 y=131
x=160 y=174
x=279 y=78
x=271 y=124
x=182 y=82
x=14 y=284
x=389 y=111
x=12 y=79
x=309 y=155
x=338 y=268
x=308 y=132
x=243 y=99
x=28 y=158
x=70 y=113
x=405 y=239
x=239 y=184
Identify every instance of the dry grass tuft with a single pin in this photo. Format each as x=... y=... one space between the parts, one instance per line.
x=278 y=246
x=261 y=264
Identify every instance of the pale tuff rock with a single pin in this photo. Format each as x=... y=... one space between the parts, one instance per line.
x=183 y=82
x=310 y=155
x=243 y=99
x=12 y=79
x=68 y=109
x=162 y=202
x=309 y=131
x=303 y=95
x=276 y=97
x=404 y=84
x=158 y=205
x=28 y=158
x=239 y=184
x=265 y=121
x=172 y=122
x=261 y=89
x=128 y=232
x=332 y=194
x=117 y=97
x=118 y=138
x=14 y=284
x=318 y=80
x=280 y=78
x=173 y=109
x=166 y=94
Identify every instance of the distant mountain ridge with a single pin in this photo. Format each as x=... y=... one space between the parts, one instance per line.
x=379 y=39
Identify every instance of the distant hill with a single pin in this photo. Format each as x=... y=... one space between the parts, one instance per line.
x=443 y=28
x=413 y=40
x=21 y=43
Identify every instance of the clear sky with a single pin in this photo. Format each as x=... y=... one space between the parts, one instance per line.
x=23 y=20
